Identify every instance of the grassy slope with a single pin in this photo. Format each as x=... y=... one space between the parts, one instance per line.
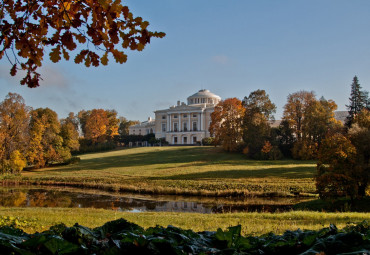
x=191 y=170
x=181 y=170
x=39 y=219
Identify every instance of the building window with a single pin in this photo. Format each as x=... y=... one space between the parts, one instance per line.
x=185 y=115
x=175 y=127
x=139 y=131
x=195 y=126
x=185 y=126
x=175 y=116
x=163 y=127
x=194 y=115
x=191 y=101
x=175 y=140
x=163 y=117
x=185 y=140
x=194 y=139
x=151 y=130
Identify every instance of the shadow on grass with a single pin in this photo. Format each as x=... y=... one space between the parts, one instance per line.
x=172 y=156
x=182 y=157
x=289 y=173
x=335 y=205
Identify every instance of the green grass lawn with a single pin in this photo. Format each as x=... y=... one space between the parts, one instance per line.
x=181 y=170
x=39 y=219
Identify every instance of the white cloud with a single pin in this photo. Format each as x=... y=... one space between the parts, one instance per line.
x=221 y=59
x=52 y=76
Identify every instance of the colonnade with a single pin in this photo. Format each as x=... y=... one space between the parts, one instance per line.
x=180 y=127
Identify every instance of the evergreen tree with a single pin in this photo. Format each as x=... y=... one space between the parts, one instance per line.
x=358 y=101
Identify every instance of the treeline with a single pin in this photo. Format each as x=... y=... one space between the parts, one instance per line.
x=37 y=138
x=308 y=130
x=245 y=125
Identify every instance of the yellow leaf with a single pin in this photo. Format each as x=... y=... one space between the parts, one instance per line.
x=67 y=6
x=55 y=54
x=104 y=59
x=144 y=25
x=140 y=47
x=80 y=38
x=88 y=61
x=65 y=54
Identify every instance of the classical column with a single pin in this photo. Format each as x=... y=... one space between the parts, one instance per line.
x=189 y=127
x=170 y=129
x=199 y=120
x=168 y=123
x=202 y=121
x=179 y=126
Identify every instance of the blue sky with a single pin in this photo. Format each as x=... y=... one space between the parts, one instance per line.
x=229 y=47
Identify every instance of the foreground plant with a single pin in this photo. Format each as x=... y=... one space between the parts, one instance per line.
x=122 y=237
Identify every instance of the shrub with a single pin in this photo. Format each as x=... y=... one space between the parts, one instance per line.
x=337 y=172
x=208 y=141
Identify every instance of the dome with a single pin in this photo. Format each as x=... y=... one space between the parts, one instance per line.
x=204 y=96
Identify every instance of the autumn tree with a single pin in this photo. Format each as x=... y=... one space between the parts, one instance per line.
x=284 y=137
x=318 y=122
x=294 y=110
x=113 y=124
x=99 y=28
x=358 y=100
x=124 y=125
x=256 y=121
x=96 y=126
x=69 y=132
x=14 y=139
x=82 y=117
x=344 y=161
x=226 y=124
x=336 y=168
x=310 y=120
x=359 y=135
x=46 y=144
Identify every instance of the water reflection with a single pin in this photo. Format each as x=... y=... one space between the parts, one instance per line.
x=81 y=198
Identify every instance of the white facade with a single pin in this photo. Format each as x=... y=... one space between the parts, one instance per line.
x=187 y=123
x=143 y=128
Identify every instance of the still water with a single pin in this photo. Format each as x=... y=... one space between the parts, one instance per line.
x=83 y=198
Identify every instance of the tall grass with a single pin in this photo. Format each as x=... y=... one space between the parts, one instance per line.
x=39 y=219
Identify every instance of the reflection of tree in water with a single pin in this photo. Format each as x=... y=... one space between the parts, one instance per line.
x=130 y=204
x=42 y=198
x=10 y=198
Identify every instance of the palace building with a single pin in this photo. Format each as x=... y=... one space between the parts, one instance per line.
x=187 y=123
x=143 y=128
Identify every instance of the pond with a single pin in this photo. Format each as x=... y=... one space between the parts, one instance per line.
x=46 y=196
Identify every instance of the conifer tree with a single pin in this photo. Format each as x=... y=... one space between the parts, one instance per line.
x=358 y=101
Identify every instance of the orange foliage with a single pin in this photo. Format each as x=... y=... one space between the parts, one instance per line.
x=96 y=125
x=267 y=147
x=337 y=168
x=226 y=125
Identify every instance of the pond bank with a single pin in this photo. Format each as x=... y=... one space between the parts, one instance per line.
x=66 y=197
